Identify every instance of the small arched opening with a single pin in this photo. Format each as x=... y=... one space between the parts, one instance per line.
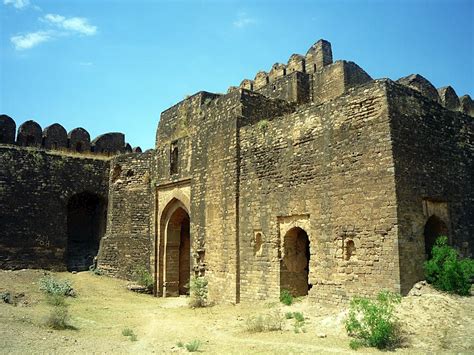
x=177 y=268
x=294 y=267
x=86 y=222
x=434 y=228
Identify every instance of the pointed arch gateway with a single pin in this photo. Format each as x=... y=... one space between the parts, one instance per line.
x=174 y=250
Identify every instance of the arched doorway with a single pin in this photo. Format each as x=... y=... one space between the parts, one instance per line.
x=86 y=222
x=434 y=228
x=175 y=251
x=294 y=267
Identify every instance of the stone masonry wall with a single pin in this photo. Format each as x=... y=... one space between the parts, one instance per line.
x=127 y=243
x=327 y=169
x=433 y=152
x=35 y=187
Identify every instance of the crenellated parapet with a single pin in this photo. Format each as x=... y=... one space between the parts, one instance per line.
x=445 y=96
x=312 y=77
x=55 y=137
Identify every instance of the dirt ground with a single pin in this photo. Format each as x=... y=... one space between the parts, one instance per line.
x=431 y=321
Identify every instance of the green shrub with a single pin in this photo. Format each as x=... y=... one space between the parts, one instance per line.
x=372 y=322
x=52 y=286
x=198 y=292
x=286 y=297
x=127 y=332
x=446 y=271
x=144 y=278
x=193 y=346
x=59 y=316
x=264 y=322
x=289 y=315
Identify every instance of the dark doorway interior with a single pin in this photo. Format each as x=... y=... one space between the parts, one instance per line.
x=434 y=228
x=86 y=221
x=294 y=268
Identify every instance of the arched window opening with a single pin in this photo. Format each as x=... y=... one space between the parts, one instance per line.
x=294 y=267
x=86 y=222
x=116 y=172
x=350 y=249
x=434 y=228
x=174 y=158
x=257 y=244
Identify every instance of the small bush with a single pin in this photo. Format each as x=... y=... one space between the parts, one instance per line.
x=59 y=314
x=298 y=316
x=56 y=300
x=127 y=332
x=446 y=271
x=193 y=346
x=144 y=278
x=53 y=286
x=59 y=317
x=198 y=292
x=372 y=323
x=264 y=322
x=289 y=315
x=286 y=297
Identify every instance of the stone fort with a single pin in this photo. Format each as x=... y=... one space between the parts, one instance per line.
x=312 y=177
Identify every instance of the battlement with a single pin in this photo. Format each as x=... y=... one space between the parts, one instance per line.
x=55 y=137
x=445 y=96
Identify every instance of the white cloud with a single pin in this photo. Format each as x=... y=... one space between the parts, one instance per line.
x=73 y=24
x=243 y=20
x=30 y=40
x=18 y=4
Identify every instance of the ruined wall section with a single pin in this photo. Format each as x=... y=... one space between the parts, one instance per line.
x=433 y=152
x=127 y=242
x=35 y=188
x=327 y=169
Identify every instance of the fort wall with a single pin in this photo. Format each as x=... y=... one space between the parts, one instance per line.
x=433 y=151
x=327 y=169
x=35 y=189
x=127 y=243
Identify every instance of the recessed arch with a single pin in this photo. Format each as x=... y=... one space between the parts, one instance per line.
x=174 y=250
x=86 y=223
x=434 y=228
x=294 y=265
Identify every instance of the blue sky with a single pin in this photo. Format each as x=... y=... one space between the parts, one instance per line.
x=115 y=65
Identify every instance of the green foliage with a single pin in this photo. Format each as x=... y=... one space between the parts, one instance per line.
x=263 y=125
x=198 y=292
x=59 y=316
x=264 y=322
x=372 y=322
x=56 y=300
x=95 y=270
x=127 y=332
x=192 y=346
x=286 y=297
x=446 y=271
x=143 y=277
x=53 y=286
